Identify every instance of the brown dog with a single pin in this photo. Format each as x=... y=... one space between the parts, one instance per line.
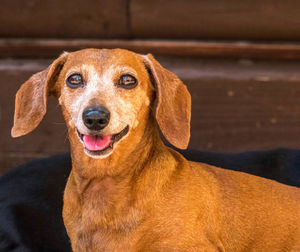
x=127 y=191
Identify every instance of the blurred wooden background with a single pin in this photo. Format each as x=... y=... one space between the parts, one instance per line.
x=239 y=59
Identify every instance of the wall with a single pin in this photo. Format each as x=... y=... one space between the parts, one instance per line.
x=240 y=61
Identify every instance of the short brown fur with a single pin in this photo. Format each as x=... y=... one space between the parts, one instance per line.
x=145 y=196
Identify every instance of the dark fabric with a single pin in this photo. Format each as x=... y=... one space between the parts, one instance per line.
x=31 y=206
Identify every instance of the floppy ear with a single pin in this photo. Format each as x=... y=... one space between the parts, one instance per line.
x=31 y=98
x=173 y=104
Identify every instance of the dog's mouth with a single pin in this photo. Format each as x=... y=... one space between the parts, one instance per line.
x=101 y=144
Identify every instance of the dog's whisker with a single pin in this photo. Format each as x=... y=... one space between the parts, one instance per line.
x=66 y=136
x=122 y=121
x=151 y=108
x=59 y=123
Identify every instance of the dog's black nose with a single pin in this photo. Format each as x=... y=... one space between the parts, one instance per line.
x=96 y=118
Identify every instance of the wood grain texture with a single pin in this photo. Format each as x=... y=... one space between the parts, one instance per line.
x=245 y=115
x=215 y=19
x=226 y=20
x=237 y=105
x=64 y=19
x=40 y=48
x=240 y=105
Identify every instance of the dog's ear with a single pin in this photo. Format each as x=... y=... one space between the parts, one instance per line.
x=31 y=98
x=172 y=104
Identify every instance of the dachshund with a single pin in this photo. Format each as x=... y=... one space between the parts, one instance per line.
x=128 y=191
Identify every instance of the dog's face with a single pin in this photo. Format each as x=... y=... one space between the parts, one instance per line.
x=107 y=96
x=104 y=95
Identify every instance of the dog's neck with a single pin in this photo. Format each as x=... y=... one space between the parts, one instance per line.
x=128 y=158
x=124 y=187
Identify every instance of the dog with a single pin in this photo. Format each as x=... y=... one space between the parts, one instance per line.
x=34 y=191
x=127 y=191
x=31 y=194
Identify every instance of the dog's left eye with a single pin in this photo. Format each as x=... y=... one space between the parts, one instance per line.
x=75 y=80
x=127 y=81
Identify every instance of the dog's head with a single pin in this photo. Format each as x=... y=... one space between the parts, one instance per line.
x=106 y=96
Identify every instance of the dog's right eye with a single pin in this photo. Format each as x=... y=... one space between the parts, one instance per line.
x=75 y=81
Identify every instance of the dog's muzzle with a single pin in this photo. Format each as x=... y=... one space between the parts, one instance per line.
x=97 y=145
x=96 y=119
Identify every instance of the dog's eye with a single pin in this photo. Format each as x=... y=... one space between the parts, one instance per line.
x=75 y=80
x=127 y=81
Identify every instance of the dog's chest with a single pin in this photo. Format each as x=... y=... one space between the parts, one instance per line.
x=106 y=221
x=103 y=240
x=106 y=234
x=97 y=196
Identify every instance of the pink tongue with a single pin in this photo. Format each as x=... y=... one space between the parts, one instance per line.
x=96 y=143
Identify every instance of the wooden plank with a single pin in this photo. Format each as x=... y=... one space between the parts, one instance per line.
x=53 y=47
x=64 y=19
x=227 y=20
x=193 y=19
x=238 y=105
x=232 y=115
